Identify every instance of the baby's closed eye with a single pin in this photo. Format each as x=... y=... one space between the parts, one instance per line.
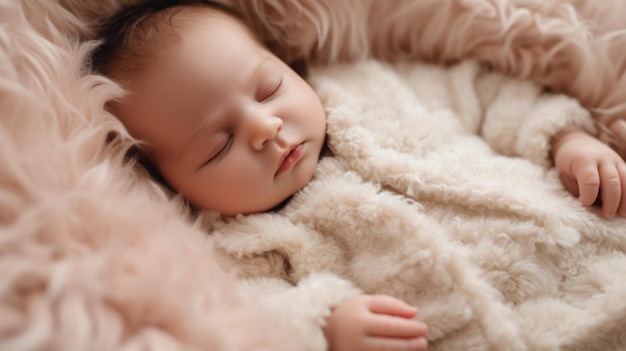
x=270 y=91
x=220 y=150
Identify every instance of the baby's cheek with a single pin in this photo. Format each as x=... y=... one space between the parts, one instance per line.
x=307 y=173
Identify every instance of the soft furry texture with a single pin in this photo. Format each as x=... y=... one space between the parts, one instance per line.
x=492 y=249
x=94 y=256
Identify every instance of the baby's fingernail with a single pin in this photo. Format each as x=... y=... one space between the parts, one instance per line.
x=422 y=343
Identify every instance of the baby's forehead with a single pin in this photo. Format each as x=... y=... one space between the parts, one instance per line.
x=135 y=61
x=153 y=97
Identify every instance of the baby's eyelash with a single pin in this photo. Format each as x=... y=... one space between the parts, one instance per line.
x=273 y=91
x=221 y=153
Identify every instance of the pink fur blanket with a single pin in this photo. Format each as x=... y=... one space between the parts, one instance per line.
x=94 y=256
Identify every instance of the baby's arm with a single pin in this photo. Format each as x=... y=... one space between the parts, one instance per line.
x=520 y=119
x=590 y=168
x=374 y=322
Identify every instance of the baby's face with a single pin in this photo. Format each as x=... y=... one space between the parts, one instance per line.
x=229 y=125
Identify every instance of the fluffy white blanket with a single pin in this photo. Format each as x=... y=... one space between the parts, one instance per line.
x=412 y=203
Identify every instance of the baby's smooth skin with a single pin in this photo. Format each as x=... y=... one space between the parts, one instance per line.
x=234 y=129
x=590 y=169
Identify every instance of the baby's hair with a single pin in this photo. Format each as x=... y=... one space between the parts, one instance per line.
x=134 y=33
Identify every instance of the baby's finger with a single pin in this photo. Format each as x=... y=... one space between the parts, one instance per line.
x=416 y=344
x=621 y=169
x=588 y=180
x=610 y=188
x=392 y=306
x=389 y=326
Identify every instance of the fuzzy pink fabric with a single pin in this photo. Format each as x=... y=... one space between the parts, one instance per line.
x=91 y=258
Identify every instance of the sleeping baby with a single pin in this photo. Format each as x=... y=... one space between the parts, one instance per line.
x=444 y=187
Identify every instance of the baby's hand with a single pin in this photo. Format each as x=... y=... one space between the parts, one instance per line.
x=375 y=322
x=589 y=168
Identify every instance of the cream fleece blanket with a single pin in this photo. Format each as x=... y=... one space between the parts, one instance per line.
x=416 y=203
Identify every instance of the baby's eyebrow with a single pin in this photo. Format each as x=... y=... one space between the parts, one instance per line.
x=201 y=130
x=258 y=69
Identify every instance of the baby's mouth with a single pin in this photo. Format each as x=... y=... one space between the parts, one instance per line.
x=290 y=159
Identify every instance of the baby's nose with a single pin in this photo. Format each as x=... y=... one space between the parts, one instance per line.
x=265 y=128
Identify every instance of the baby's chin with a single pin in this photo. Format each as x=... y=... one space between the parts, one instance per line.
x=303 y=179
x=249 y=208
x=300 y=178
x=253 y=207
x=280 y=205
